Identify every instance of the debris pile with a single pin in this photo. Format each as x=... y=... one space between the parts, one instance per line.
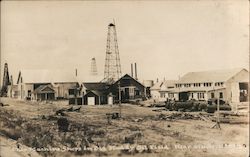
x=182 y=116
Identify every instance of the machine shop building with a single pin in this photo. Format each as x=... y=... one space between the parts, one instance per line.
x=44 y=84
x=229 y=85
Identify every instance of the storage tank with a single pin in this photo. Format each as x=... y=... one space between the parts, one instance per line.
x=148 y=83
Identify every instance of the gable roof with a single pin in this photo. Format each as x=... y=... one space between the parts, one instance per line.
x=96 y=92
x=44 y=89
x=95 y=86
x=46 y=76
x=169 y=83
x=209 y=76
x=127 y=76
x=157 y=86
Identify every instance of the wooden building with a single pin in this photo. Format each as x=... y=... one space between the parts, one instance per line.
x=95 y=93
x=130 y=89
x=31 y=84
x=230 y=85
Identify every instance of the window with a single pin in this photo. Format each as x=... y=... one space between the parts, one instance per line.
x=131 y=91
x=200 y=95
x=71 y=91
x=162 y=95
x=170 y=95
x=192 y=95
x=219 y=84
x=29 y=93
x=221 y=95
x=212 y=95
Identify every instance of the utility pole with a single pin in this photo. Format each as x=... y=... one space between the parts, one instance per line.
x=217 y=125
x=120 y=104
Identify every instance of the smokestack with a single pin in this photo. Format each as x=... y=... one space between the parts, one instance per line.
x=76 y=72
x=132 y=70
x=135 y=72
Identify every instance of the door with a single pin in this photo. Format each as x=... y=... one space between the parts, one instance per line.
x=126 y=94
x=183 y=96
x=110 y=100
x=91 y=101
x=243 y=92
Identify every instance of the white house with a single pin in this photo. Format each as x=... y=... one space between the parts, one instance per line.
x=155 y=91
x=159 y=91
x=229 y=85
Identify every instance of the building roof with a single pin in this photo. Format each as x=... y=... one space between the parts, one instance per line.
x=169 y=83
x=157 y=86
x=209 y=76
x=44 y=89
x=96 y=92
x=127 y=76
x=95 y=86
x=47 y=76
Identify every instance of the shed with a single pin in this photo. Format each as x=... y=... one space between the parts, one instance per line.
x=44 y=92
x=94 y=97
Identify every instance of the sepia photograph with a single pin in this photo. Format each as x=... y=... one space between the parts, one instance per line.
x=143 y=78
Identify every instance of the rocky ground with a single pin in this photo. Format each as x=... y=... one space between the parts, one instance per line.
x=31 y=128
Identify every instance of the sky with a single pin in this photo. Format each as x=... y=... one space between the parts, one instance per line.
x=165 y=38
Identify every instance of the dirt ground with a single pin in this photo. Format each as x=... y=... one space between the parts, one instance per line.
x=140 y=132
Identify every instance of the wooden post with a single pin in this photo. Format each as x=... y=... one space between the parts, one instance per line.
x=217 y=125
x=120 y=107
x=75 y=93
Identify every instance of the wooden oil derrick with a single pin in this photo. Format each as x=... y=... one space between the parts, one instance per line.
x=6 y=81
x=93 y=67
x=112 y=70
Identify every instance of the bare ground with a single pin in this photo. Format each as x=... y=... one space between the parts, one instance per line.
x=35 y=125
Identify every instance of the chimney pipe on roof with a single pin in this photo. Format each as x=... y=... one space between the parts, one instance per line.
x=132 y=70
x=136 y=72
x=76 y=72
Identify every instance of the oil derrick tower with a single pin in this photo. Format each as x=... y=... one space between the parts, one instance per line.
x=112 y=71
x=6 y=81
x=93 y=71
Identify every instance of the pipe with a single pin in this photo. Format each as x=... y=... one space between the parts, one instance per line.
x=132 y=70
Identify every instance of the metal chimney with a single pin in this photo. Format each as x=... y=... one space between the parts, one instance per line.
x=132 y=70
x=136 y=72
x=76 y=72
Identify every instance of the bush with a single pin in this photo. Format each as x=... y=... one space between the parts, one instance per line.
x=213 y=108
x=202 y=106
x=215 y=101
x=190 y=105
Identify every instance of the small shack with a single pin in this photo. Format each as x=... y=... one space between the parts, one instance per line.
x=44 y=92
x=96 y=93
x=95 y=98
